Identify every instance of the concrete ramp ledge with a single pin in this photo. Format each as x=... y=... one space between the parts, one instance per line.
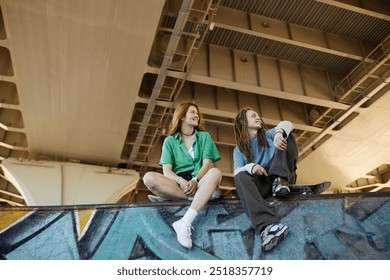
x=344 y=226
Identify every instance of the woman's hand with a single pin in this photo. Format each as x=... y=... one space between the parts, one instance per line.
x=191 y=188
x=182 y=183
x=188 y=187
x=279 y=141
x=258 y=170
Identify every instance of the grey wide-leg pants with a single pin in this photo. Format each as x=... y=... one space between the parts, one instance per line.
x=284 y=163
x=253 y=190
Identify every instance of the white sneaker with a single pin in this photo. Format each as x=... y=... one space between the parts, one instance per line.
x=216 y=194
x=155 y=198
x=183 y=233
x=272 y=235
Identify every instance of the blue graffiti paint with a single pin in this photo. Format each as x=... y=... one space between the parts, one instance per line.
x=321 y=227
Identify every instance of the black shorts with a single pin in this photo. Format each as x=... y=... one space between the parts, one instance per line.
x=187 y=175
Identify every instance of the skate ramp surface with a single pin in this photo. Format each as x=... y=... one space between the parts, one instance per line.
x=349 y=226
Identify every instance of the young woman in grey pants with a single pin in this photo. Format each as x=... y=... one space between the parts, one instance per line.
x=264 y=165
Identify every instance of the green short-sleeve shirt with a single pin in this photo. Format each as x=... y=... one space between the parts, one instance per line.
x=175 y=152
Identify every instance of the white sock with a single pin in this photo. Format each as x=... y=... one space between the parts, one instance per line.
x=189 y=216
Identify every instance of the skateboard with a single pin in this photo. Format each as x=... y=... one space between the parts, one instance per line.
x=309 y=189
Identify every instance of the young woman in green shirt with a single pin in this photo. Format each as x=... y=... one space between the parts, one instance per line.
x=187 y=157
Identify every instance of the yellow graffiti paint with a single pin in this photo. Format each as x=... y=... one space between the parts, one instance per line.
x=84 y=218
x=7 y=218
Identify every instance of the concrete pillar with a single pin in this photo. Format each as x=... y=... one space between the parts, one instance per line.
x=65 y=183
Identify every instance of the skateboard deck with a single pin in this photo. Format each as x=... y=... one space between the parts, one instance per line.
x=309 y=189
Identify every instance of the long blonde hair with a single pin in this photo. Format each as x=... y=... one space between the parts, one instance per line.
x=242 y=134
x=180 y=113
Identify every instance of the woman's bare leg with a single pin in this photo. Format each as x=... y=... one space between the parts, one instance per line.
x=162 y=186
x=207 y=186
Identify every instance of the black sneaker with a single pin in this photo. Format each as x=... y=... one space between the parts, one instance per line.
x=280 y=187
x=272 y=235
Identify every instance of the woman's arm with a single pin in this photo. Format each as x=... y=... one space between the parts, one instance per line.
x=206 y=165
x=192 y=185
x=282 y=131
x=240 y=163
x=285 y=127
x=167 y=171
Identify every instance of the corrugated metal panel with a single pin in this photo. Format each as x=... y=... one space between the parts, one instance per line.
x=319 y=16
x=236 y=40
